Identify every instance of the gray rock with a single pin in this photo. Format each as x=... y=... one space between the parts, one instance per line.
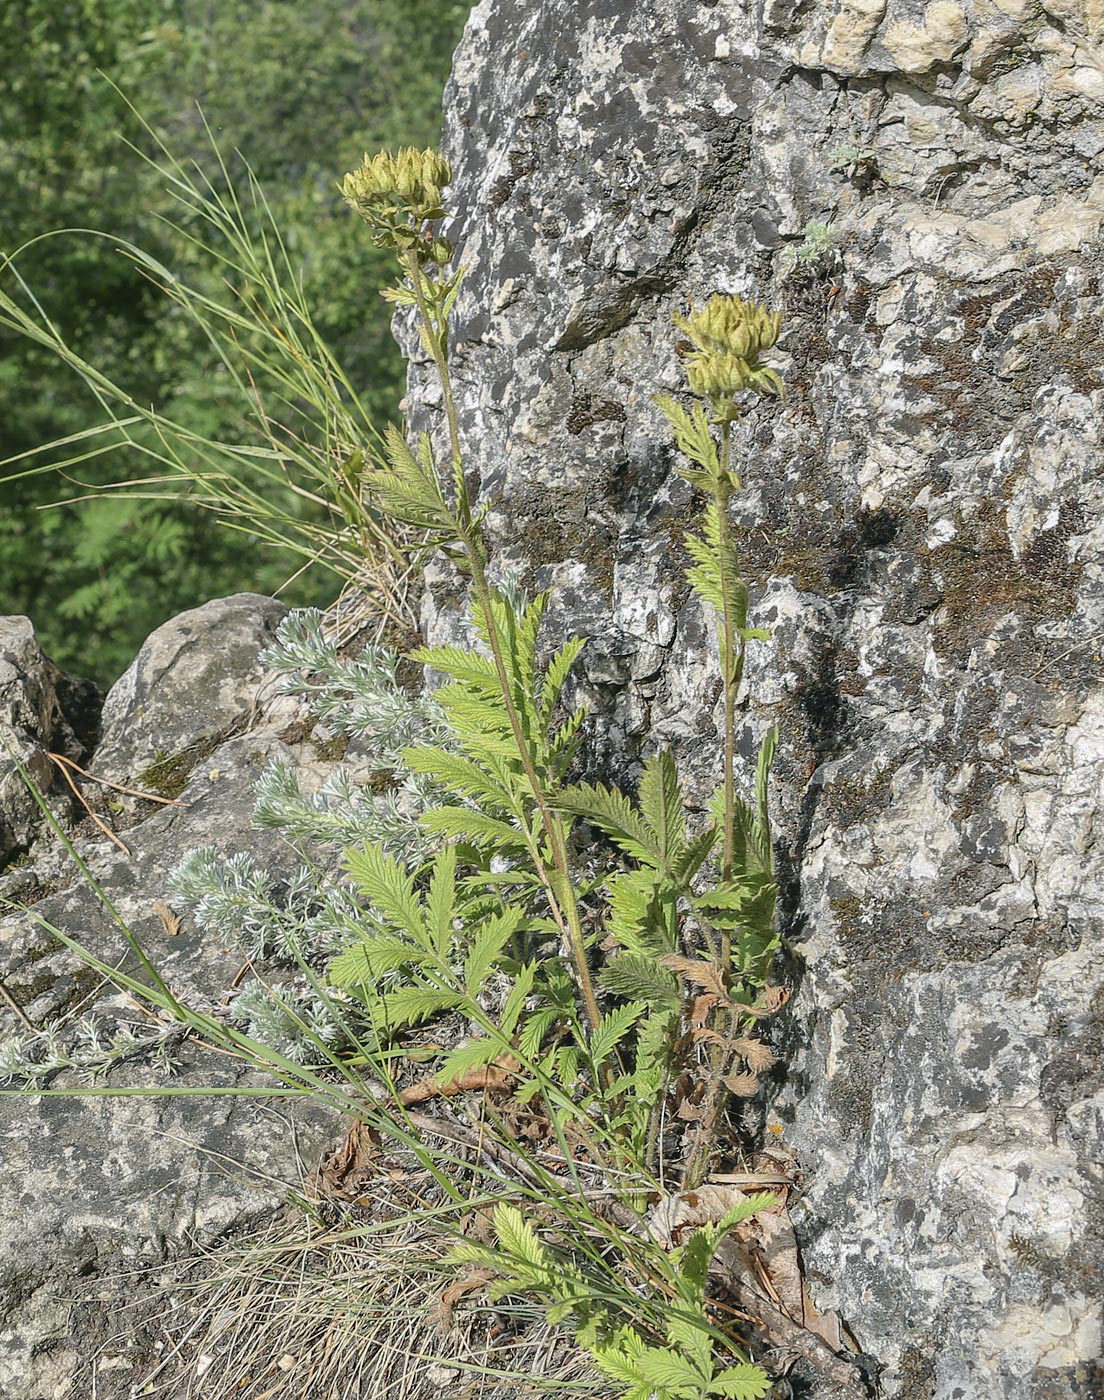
x=41 y=711
x=922 y=523
x=193 y=680
x=100 y=1190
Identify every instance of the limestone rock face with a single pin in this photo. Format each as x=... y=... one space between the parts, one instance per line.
x=41 y=711
x=194 y=677
x=99 y=1191
x=920 y=188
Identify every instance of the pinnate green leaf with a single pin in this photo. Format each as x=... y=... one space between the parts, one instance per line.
x=661 y=806
x=388 y=886
x=743 y=1382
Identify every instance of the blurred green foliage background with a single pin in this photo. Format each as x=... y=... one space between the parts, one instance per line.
x=301 y=88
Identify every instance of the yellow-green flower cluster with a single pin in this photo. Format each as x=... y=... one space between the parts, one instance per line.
x=397 y=195
x=408 y=183
x=728 y=336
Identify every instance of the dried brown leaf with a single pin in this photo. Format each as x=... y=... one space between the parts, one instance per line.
x=472 y=1282
x=492 y=1078
x=674 y=1217
x=705 y=1033
x=341 y=1173
x=770 y=1236
x=742 y=1277
x=170 y=922
x=825 y=1325
x=769 y=1002
x=757 y=1055
x=744 y=1086
x=704 y=974
x=700 y=1008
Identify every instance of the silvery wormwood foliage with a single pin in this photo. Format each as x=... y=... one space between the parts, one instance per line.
x=304 y=920
x=301 y=922
x=89 y=1047
x=341 y=811
x=301 y=1025
x=360 y=696
x=363 y=698
x=294 y=921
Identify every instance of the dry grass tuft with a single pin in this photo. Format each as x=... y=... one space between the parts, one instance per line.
x=355 y=1312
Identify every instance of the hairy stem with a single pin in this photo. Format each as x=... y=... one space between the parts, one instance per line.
x=731 y=664
x=733 y=649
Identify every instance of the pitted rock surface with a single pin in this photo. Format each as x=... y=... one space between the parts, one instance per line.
x=922 y=523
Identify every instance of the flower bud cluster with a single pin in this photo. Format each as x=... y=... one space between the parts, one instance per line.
x=396 y=195
x=728 y=336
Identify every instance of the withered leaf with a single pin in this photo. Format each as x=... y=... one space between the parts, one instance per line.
x=472 y=1282
x=704 y=974
x=341 y=1173
x=700 y=1007
x=769 y=1002
x=744 y=1086
x=170 y=922
x=704 y=1033
x=492 y=1078
x=769 y=1236
x=825 y=1325
x=758 y=1057
x=676 y=1216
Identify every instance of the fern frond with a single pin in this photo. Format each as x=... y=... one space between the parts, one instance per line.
x=364 y=963
x=619 y=1358
x=746 y=902
x=440 y=906
x=520 y=992
x=715 y=576
x=409 y=490
x=637 y=915
x=693 y=437
x=476 y=1054
x=350 y=969
x=408 y=1006
x=536 y=1027
x=473 y=717
x=686 y=1334
x=458 y=774
x=524 y=632
x=612 y=1029
x=690 y=859
x=476 y=828
x=743 y=1210
x=564 y=744
x=518 y=1241
x=762 y=779
x=556 y=674
x=743 y=1382
x=470 y=667
x=490 y=939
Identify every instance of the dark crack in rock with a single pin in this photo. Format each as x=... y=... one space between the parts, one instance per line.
x=42 y=711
